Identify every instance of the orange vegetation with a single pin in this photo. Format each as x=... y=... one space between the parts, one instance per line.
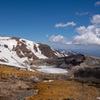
x=6 y=71
x=62 y=90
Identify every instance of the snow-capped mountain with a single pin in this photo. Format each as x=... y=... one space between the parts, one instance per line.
x=68 y=52
x=21 y=52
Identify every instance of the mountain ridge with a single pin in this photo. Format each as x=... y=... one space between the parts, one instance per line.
x=22 y=52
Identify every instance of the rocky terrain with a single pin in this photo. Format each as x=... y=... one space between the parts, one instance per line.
x=11 y=87
x=77 y=66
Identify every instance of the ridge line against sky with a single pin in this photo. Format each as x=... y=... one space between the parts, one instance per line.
x=66 y=24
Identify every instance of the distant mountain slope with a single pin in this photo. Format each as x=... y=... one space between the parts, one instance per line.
x=68 y=52
x=21 y=52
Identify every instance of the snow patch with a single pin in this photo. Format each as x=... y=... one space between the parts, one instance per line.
x=30 y=46
x=39 y=54
x=98 y=98
x=1 y=37
x=45 y=66
x=48 y=80
x=10 y=64
x=15 y=65
x=53 y=70
x=59 y=54
x=9 y=43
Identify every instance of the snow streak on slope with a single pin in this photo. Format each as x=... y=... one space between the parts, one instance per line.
x=30 y=46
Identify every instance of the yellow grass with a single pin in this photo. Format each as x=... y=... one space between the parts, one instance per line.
x=6 y=71
x=59 y=90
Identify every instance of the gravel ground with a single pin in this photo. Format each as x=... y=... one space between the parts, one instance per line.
x=16 y=89
x=24 y=95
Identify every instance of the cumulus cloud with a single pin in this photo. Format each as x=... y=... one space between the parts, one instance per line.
x=58 y=39
x=81 y=29
x=95 y=19
x=89 y=35
x=65 y=25
x=81 y=14
x=97 y=3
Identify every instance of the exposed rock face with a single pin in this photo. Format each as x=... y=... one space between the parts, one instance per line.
x=47 y=51
x=92 y=61
x=89 y=68
x=67 y=62
x=22 y=51
x=81 y=66
x=75 y=59
x=88 y=72
x=17 y=51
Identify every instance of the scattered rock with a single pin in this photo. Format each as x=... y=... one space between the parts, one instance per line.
x=24 y=95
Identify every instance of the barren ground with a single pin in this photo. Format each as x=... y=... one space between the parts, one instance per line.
x=11 y=87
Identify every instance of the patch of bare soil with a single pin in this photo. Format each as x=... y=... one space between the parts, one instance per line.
x=12 y=87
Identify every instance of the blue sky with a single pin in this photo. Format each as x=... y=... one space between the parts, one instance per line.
x=62 y=24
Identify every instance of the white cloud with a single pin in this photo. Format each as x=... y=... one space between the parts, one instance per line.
x=89 y=35
x=97 y=3
x=81 y=14
x=81 y=29
x=59 y=40
x=65 y=25
x=95 y=19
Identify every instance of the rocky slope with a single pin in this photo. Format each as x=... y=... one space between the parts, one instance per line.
x=80 y=66
x=20 y=52
x=65 y=62
x=89 y=69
